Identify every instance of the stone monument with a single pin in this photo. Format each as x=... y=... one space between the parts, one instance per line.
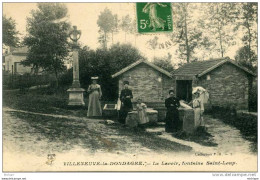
x=76 y=97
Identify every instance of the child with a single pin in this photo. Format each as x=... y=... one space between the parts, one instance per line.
x=142 y=114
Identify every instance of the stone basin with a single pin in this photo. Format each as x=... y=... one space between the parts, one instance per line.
x=187 y=118
x=132 y=117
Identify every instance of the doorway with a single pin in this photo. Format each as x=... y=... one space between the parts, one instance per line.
x=184 y=90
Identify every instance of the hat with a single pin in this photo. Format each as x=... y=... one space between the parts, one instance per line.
x=126 y=82
x=94 y=78
x=195 y=91
x=171 y=90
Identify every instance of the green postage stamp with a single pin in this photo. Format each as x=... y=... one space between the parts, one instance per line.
x=154 y=17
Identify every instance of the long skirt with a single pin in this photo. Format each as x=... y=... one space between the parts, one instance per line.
x=198 y=118
x=143 y=118
x=172 y=121
x=94 y=105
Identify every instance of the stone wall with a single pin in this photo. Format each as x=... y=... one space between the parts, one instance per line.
x=228 y=87
x=147 y=83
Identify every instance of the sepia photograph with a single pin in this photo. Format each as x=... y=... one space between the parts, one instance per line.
x=130 y=87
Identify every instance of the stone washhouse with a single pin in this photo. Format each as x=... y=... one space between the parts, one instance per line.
x=148 y=82
x=228 y=83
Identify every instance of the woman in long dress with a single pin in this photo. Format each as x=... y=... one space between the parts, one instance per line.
x=142 y=112
x=95 y=93
x=172 y=120
x=198 y=107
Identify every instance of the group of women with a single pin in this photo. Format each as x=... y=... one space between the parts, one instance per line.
x=172 y=104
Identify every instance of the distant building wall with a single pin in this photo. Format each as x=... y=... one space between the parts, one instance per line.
x=147 y=83
x=228 y=86
x=12 y=60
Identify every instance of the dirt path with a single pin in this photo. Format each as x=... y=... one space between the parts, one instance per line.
x=29 y=137
x=223 y=134
x=228 y=139
x=58 y=133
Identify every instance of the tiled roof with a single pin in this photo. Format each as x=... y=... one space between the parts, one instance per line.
x=195 y=68
x=199 y=68
x=139 y=62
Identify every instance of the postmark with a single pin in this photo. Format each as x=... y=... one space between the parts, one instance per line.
x=154 y=17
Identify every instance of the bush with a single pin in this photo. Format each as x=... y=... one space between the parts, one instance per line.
x=246 y=124
x=253 y=98
x=102 y=63
x=66 y=78
x=25 y=81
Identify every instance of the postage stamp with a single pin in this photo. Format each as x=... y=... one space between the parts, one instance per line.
x=151 y=87
x=154 y=17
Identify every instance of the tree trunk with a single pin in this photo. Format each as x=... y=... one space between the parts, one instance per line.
x=56 y=72
x=56 y=79
x=186 y=34
x=249 y=40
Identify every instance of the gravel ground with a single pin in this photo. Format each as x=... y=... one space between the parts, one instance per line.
x=29 y=137
x=42 y=134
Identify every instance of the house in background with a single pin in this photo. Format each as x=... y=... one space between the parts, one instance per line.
x=228 y=83
x=13 y=59
x=147 y=81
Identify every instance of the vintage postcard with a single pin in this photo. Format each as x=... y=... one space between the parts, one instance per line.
x=138 y=87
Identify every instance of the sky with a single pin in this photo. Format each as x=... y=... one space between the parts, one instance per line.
x=85 y=16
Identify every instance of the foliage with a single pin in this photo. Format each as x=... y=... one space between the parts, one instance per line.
x=247 y=20
x=107 y=23
x=126 y=24
x=25 y=81
x=187 y=35
x=246 y=124
x=47 y=38
x=246 y=59
x=164 y=63
x=217 y=20
x=103 y=63
x=10 y=33
x=115 y=28
x=253 y=94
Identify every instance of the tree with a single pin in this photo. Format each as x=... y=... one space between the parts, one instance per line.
x=164 y=63
x=133 y=30
x=122 y=55
x=247 y=20
x=187 y=35
x=217 y=20
x=106 y=23
x=47 y=38
x=115 y=27
x=104 y=63
x=10 y=33
x=126 y=24
x=247 y=59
